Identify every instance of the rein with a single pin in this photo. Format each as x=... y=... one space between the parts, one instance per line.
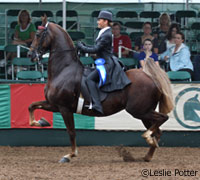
x=74 y=49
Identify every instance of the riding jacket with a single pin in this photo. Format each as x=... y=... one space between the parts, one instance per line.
x=180 y=59
x=116 y=78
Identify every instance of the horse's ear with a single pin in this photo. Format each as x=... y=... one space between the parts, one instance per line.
x=44 y=19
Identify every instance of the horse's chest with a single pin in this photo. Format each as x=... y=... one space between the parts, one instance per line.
x=57 y=94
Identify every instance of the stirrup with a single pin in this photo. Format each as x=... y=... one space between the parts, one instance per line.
x=89 y=106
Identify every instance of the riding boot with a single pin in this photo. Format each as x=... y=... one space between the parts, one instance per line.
x=95 y=96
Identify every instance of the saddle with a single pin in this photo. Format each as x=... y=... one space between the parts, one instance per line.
x=85 y=94
x=84 y=89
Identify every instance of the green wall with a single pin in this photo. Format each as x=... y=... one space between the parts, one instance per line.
x=58 y=137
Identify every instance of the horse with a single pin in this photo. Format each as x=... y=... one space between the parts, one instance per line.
x=149 y=87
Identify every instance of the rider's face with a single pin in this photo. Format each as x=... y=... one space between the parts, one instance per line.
x=102 y=23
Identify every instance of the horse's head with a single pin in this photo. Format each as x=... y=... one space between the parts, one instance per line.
x=41 y=41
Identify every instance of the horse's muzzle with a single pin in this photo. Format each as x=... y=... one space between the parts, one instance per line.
x=32 y=55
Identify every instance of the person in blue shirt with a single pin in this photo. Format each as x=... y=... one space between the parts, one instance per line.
x=147 y=53
x=178 y=55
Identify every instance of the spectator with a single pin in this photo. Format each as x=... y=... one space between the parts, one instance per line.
x=24 y=33
x=161 y=32
x=178 y=55
x=147 y=29
x=147 y=53
x=24 y=30
x=170 y=37
x=120 y=40
x=169 y=42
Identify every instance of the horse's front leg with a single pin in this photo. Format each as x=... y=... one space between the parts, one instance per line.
x=69 y=122
x=40 y=105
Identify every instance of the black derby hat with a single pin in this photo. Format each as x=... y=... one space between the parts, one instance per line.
x=105 y=15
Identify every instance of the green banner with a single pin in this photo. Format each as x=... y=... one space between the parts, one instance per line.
x=5 y=106
x=81 y=121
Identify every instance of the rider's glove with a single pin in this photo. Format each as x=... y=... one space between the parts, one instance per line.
x=79 y=45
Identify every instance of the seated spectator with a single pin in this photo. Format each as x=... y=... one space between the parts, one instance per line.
x=178 y=55
x=170 y=42
x=24 y=33
x=147 y=53
x=170 y=37
x=24 y=30
x=120 y=40
x=161 y=31
x=147 y=29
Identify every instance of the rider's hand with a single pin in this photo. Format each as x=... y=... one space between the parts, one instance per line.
x=79 y=45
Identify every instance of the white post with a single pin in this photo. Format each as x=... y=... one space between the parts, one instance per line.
x=119 y=52
x=64 y=14
x=18 y=51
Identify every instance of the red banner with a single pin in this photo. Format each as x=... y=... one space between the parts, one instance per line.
x=22 y=95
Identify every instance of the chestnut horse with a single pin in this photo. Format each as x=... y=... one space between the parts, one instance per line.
x=148 y=88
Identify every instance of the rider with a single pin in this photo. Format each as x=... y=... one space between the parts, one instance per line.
x=103 y=49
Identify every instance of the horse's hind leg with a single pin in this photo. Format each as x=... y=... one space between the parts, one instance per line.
x=40 y=105
x=158 y=119
x=156 y=135
x=69 y=122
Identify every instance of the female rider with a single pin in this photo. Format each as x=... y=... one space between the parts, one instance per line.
x=116 y=79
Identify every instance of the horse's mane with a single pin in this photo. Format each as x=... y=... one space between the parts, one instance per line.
x=64 y=31
x=76 y=58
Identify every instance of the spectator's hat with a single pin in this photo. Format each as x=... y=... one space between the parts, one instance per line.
x=105 y=15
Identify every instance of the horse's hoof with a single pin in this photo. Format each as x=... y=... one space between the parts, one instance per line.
x=147 y=159
x=43 y=122
x=64 y=160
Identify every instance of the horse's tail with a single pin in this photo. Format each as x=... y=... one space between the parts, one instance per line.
x=162 y=81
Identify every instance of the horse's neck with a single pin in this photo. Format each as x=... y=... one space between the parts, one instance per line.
x=63 y=58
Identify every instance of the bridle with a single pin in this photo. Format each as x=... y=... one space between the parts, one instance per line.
x=38 y=50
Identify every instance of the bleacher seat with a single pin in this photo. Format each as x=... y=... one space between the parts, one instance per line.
x=13 y=24
x=129 y=63
x=195 y=26
x=150 y=14
x=87 y=61
x=95 y=14
x=76 y=35
x=182 y=15
x=126 y=14
x=39 y=13
x=29 y=75
x=134 y=25
x=10 y=49
x=135 y=35
x=36 y=16
x=20 y=63
x=72 y=19
x=179 y=75
x=70 y=25
x=10 y=16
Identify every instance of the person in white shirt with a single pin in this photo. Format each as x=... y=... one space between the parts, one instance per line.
x=178 y=55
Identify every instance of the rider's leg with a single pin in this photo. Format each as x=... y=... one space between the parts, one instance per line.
x=92 y=78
